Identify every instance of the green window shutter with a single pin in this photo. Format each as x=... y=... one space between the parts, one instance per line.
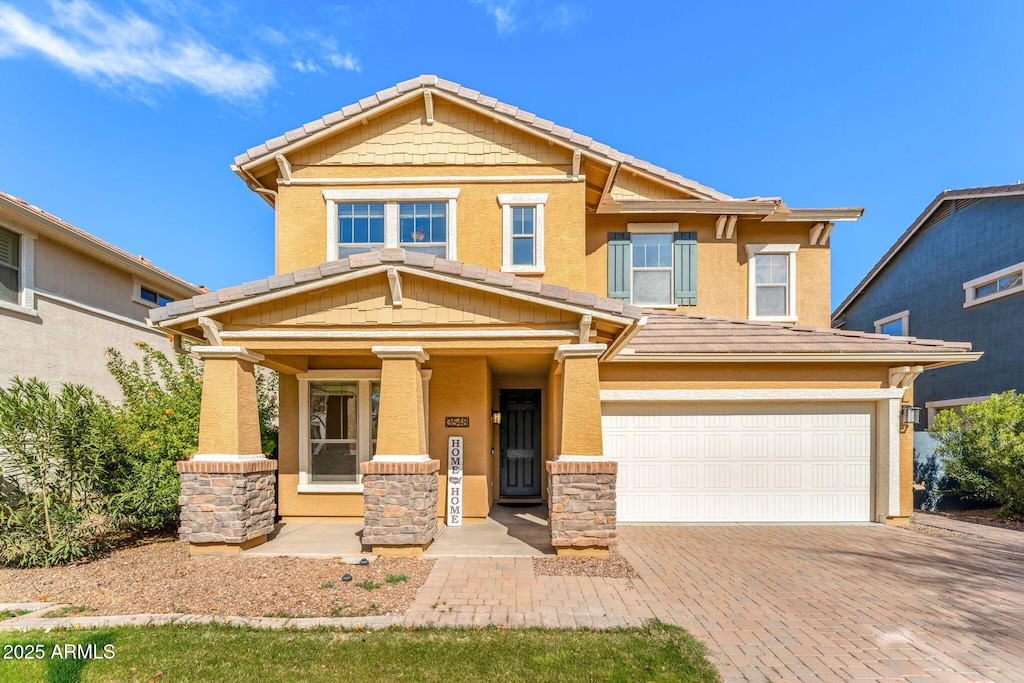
x=8 y=248
x=684 y=267
x=619 y=262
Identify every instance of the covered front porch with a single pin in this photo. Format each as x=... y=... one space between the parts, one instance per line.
x=412 y=399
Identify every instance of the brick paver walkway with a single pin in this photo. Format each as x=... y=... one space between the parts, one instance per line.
x=780 y=603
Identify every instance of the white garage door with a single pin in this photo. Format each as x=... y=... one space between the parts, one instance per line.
x=746 y=462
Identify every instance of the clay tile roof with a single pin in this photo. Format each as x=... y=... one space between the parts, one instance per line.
x=96 y=242
x=473 y=96
x=683 y=334
x=409 y=259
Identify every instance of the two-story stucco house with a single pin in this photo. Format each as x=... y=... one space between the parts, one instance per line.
x=971 y=296
x=460 y=282
x=67 y=296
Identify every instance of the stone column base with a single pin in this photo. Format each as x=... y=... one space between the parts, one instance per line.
x=226 y=507
x=400 y=506
x=581 y=506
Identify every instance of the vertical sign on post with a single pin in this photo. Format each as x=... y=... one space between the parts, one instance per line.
x=455 y=481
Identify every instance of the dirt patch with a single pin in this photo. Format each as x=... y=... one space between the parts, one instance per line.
x=988 y=516
x=160 y=576
x=935 y=531
x=615 y=567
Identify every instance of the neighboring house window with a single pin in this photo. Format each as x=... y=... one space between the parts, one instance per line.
x=362 y=220
x=771 y=281
x=360 y=228
x=10 y=267
x=423 y=227
x=653 y=265
x=994 y=285
x=338 y=412
x=16 y=271
x=147 y=296
x=522 y=231
x=897 y=325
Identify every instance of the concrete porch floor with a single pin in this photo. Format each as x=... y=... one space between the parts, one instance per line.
x=509 y=531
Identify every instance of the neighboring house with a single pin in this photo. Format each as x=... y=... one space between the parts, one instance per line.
x=66 y=297
x=465 y=288
x=954 y=274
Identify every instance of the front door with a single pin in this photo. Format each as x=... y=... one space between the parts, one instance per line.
x=520 y=443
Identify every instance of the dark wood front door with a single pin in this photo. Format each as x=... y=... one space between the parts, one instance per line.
x=520 y=443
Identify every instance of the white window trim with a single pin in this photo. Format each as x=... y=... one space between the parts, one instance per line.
x=971 y=285
x=537 y=201
x=934 y=407
x=363 y=441
x=26 y=275
x=137 y=286
x=755 y=250
x=903 y=316
x=654 y=229
x=390 y=197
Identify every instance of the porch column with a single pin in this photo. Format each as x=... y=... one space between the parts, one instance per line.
x=581 y=480
x=400 y=484
x=227 y=488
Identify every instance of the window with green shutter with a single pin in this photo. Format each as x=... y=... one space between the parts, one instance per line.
x=652 y=268
x=10 y=266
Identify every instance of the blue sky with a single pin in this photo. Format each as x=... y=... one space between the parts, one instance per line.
x=122 y=118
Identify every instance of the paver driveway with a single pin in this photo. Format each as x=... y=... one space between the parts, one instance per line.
x=810 y=603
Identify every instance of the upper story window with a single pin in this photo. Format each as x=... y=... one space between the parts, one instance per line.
x=772 y=281
x=10 y=267
x=147 y=296
x=363 y=220
x=897 y=325
x=360 y=228
x=424 y=227
x=653 y=265
x=994 y=285
x=522 y=231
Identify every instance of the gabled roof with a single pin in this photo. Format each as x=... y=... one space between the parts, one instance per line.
x=459 y=93
x=935 y=211
x=683 y=335
x=91 y=243
x=316 y=277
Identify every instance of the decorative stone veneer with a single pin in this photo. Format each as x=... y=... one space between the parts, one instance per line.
x=581 y=509
x=399 y=503
x=228 y=503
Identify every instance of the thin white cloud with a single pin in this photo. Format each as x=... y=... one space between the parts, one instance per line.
x=347 y=61
x=560 y=17
x=130 y=50
x=307 y=67
x=503 y=12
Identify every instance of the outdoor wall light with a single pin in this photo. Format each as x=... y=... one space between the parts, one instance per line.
x=496 y=417
x=910 y=415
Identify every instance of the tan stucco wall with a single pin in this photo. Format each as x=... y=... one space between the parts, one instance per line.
x=743 y=376
x=66 y=344
x=461 y=387
x=907 y=462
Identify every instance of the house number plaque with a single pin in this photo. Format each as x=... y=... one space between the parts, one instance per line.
x=455 y=455
x=456 y=422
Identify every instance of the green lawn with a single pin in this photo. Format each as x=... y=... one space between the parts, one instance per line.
x=167 y=654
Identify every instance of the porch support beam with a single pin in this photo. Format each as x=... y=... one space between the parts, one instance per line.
x=401 y=429
x=581 y=400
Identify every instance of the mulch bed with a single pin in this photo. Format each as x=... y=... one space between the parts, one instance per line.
x=988 y=516
x=159 y=576
x=615 y=567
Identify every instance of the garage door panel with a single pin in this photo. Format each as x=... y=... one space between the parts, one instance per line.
x=748 y=462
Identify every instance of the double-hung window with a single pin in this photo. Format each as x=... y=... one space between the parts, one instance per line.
x=10 y=266
x=360 y=221
x=772 y=277
x=995 y=285
x=522 y=232
x=896 y=325
x=653 y=265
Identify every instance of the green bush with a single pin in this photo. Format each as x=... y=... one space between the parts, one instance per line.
x=982 y=448
x=77 y=470
x=53 y=509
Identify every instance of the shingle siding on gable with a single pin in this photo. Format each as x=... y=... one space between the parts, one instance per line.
x=927 y=278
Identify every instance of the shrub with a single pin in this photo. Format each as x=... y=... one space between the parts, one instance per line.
x=982 y=448
x=53 y=510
